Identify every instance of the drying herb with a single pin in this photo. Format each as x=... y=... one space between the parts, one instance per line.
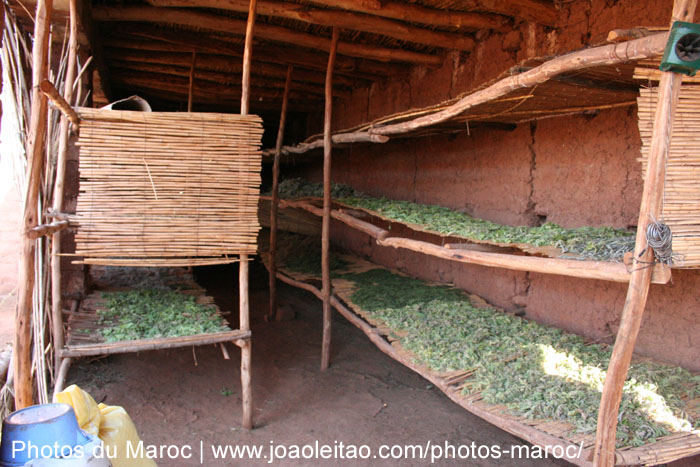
x=591 y=243
x=534 y=370
x=151 y=313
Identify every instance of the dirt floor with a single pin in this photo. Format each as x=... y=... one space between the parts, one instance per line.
x=365 y=398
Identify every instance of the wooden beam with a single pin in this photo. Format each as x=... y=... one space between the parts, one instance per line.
x=650 y=209
x=221 y=44
x=326 y=223
x=59 y=188
x=219 y=77
x=419 y=14
x=246 y=348
x=247 y=56
x=190 y=94
x=211 y=22
x=346 y=20
x=24 y=391
x=129 y=51
x=272 y=314
x=56 y=99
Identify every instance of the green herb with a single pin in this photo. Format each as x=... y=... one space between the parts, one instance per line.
x=534 y=370
x=594 y=243
x=226 y=392
x=151 y=313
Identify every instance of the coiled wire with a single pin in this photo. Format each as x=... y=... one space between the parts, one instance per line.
x=660 y=239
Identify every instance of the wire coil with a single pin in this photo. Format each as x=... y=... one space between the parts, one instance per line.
x=660 y=239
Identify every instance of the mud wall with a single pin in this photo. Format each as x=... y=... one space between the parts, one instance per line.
x=575 y=171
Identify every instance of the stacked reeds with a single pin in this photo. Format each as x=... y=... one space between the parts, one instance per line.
x=681 y=203
x=161 y=189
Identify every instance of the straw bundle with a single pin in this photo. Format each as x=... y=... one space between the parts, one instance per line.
x=681 y=205
x=161 y=189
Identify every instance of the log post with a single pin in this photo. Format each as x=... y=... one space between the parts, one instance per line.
x=58 y=191
x=652 y=198
x=326 y=225
x=190 y=91
x=24 y=396
x=246 y=348
x=247 y=55
x=244 y=314
x=275 y=198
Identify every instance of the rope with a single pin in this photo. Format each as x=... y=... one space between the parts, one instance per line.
x=660 y=239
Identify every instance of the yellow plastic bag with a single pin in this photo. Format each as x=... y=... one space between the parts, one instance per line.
x=86 y=410
x=116 y=432
x=110 y=423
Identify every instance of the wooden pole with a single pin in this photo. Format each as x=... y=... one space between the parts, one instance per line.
x=247 y=56
x=275 y=198
x=246 y=350
x=652 y=198
x=35 y=153
x=326 y=224
x=58 y=191
x=191 y=89
x=52 y=93
x=244 y=314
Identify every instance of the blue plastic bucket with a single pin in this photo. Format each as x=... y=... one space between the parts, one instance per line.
x=40 y=431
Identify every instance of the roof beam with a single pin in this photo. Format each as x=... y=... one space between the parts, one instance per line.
x=128 y=51
x=211 y=22
x=530 y=10
x=202 y=78
x=349 y=20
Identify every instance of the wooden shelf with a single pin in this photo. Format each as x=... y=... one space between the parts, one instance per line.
x=539 y=432
x=601 y=270
x=86 y=350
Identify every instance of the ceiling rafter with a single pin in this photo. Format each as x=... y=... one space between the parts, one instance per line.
x=536 y=11
x=212 y=22
x=349 y=20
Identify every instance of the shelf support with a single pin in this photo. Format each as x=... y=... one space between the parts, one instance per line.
x=652 y=200
x=275 y=198
x=326 y=224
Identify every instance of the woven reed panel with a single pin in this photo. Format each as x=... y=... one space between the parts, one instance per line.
x=681 y=202
x=167 y=189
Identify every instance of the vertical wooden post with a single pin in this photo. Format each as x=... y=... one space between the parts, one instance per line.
x=58 y=191
x=326 y=226
x=244 y=314
x=35 y=153
x=275 y=197
x=652 y=196
x=190 y=91
x=247 y=54
x=246 y=348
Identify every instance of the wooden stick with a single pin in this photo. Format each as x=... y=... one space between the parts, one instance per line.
x=58 y=191
x=326 y=223
x=275 y=198
x=191 y=90
x=247 y=57
x=142 y=345
x=246 y=355
x=602 y=270
x=62 y=375
x=35 y=152
x=51 y=92
x=652 y=198
x=47 y=229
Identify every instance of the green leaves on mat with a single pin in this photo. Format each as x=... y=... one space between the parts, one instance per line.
x=151 y=313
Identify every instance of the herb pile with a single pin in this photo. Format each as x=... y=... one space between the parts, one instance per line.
x=151 y=313
x=590 y=243
x=536 y=371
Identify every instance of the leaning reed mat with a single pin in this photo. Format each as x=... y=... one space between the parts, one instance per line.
x=681 y=198
x=167 y=188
